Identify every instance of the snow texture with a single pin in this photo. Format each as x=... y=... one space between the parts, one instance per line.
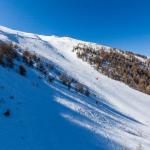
x=49 y=116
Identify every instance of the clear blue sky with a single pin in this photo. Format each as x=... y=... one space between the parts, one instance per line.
x=117 y=23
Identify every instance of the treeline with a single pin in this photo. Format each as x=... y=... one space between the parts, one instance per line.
x=10 y=58
x=119 y=65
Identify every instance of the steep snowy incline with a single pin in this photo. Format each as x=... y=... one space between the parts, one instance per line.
x=123 y=114
x=35 y=122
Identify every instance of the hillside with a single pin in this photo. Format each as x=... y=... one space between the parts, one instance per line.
x=132 y=69
x=52 y=115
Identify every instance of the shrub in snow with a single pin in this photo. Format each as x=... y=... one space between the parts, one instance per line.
x=50 y=78
x=7 y=55
x=41 y=68
x=7 y=113
x=79 y=88
x=22 y=70
x=65 y=80
x=29 y=58
x=50 y=66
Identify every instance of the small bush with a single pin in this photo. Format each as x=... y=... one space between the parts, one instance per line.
x=50 y=78
x=50 y=66
x=28 y=58
x=79 y=88
x=7 y=55
x=9 y=62
x=41 y=68
x=65 y=80
x=22 y=70
x=7 y=113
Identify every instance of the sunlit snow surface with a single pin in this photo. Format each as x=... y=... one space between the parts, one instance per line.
x=51 y=117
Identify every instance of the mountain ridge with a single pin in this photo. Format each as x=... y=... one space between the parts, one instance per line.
x=139 y=64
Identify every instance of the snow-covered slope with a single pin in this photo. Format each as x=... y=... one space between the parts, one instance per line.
x=51 y=117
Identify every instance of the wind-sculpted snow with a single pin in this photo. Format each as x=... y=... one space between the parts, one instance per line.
x=49 y=116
